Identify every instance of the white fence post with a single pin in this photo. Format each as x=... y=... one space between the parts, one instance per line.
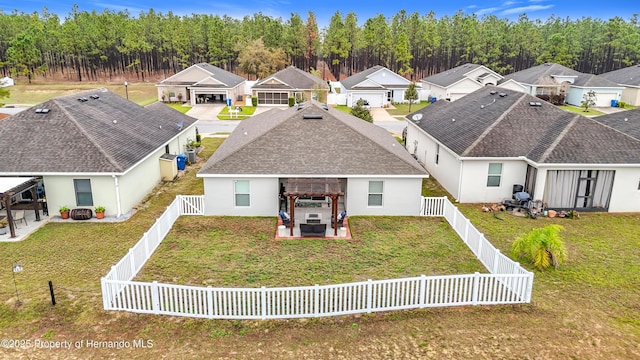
x=145 y=238
x=423 y=291
x=476 y=287
x=466 y=232
x=263 y=297
x=529 y=291
x=155 y=298
x=316 y=300
x=180 y=199
x=369 y=295
x=106 y=302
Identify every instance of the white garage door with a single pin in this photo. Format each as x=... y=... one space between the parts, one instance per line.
x=604 y=99
x=375 y=100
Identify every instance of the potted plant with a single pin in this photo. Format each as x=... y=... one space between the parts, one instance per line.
x=100 y=212
x=64 y=212
x=3 y=226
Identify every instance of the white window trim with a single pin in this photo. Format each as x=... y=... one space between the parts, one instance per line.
x=235 y=193
x=380 y=193
x=495 y=175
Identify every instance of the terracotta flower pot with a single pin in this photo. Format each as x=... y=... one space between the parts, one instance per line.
x=64 y=215
x=100 y=215
x=552 y=213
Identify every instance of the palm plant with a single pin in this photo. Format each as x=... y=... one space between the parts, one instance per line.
x=541 y=247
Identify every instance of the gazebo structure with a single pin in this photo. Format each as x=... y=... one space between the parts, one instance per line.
x=12 y=186
x=298 y=187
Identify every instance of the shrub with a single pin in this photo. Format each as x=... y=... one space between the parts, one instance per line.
x=541 y=247
x=254 y=101
x=622 y=104
x=292 y=101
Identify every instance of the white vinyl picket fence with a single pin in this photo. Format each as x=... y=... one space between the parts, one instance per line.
x=507 y=282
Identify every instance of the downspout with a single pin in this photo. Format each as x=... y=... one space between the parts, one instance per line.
x=460 y=181
x=117 y=188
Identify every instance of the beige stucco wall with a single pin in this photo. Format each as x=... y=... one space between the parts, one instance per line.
x=631 y=96
x=401 y=196
x=220 y=194
x=60 y=191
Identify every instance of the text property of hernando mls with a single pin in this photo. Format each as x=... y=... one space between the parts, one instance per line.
x=78 y=344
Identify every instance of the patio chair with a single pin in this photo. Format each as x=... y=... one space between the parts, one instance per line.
x=19 y=216
x=341 y=217
x=286 y=220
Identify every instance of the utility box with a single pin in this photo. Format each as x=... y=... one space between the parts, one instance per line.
x=168 y=167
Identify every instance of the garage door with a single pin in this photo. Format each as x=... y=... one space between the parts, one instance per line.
x=375 y=100
x=604 y=99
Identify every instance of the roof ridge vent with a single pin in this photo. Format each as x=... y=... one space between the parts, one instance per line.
x=83 y=99
x=312 y=116
x=94 y=97
x=42 y=111
x=535 y=103
x=502 y=94
x=493 y=92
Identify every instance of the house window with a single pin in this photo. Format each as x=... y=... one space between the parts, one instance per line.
x=375 y=193
x=84 y=197
x=495 y=174
x=437 y=153
x=242 y=195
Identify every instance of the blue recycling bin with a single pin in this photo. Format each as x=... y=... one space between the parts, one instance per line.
x=182 y=160
x=228 y=101
x=433 y=99
x=614 y=103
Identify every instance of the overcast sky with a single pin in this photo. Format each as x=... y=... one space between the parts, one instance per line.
x=324 y=9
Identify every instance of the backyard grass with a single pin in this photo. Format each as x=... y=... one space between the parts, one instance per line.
x=31 y=94
x=242 y=252
x=587 y=309
x=575 y=109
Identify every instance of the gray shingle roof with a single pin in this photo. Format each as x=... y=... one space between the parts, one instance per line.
x=627 y=122
x=356 y=79
x=625 y=76
x=293 y=78
x=230 y=79
x=109 y=134
x=451 y=76
x=543 y=74
x=284 y=142
x=489 y=125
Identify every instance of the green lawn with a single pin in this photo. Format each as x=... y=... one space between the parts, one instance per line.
x=587 y=309
x=575 y=109
x=35 y=93
x=179 y=106
x=246 y=112
x=403 y=109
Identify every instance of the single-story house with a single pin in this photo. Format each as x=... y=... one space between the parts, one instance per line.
x=349 y=160
x=378 y=85
x=629 y=79
x=554 y=79
x=93 y=148
x=201 y=84
x=459 y=81
x=482 y=145
x=289 y=82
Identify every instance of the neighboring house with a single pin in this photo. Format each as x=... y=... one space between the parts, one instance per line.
x=375 y=174
x=554 y=79
x=457 y=82
x=629 y=78
x=482 y=145
x=379 y=85
x=290 y=82
x=6 y=81
x=201 y=84
x=93 y=148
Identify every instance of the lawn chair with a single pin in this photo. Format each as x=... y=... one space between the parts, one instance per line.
x=19 y=216
x=286 y=220
x=341 y=217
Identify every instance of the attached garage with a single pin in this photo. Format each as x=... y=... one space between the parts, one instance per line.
x=376 y=99
x=604 y=99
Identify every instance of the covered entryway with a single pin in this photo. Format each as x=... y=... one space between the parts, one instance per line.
x=328 y=189
x=11 y=187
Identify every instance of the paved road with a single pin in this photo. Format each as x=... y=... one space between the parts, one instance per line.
x=209 y=124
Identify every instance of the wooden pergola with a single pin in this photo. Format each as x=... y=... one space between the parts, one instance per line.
x=10 y=187
x=297 y=187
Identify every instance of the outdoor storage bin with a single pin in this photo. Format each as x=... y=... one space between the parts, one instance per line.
x=182 y=160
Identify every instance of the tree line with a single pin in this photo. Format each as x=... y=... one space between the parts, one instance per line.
x=91 y=45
